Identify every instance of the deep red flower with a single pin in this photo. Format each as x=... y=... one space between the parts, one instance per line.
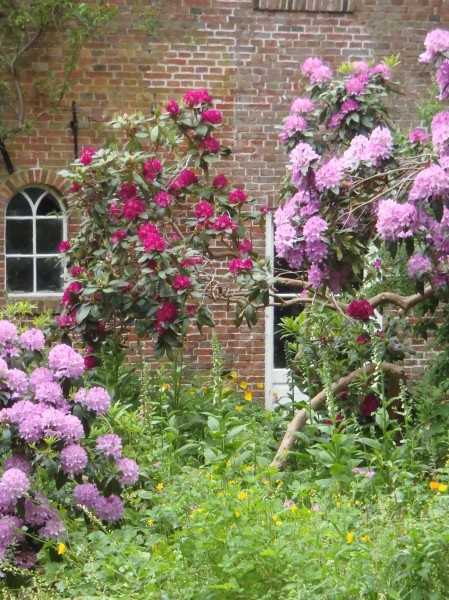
x=237 y=197
x=117 y=236
x=219 y=182
x=64 y=246
x=181 y=282
x=369 y=404
x=75 y=187
x=154 y=243
x=360 y=309
x=128 y=189
x=363 y=339
x=76 y=270
x=204 y=210
x=212 y=116
x=86 y=155
x=245 y=246
x=132 y=208
x=73 y=289
x=166 y=313
x=173 y=108
x=151 y=169
x=193 y=97
x=238 y=264
x=162 y=199
x=186 y=178
x=210 y=144
x=339 y=417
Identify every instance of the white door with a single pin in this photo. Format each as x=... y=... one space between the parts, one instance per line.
x=278 y=387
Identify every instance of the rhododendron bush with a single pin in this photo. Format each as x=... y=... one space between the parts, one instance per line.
x=356 y=184
x=51 y=462
x=156 y=227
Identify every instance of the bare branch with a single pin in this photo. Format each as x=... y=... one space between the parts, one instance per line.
x=300 y=418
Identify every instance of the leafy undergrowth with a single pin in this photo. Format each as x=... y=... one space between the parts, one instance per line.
x=356 y=515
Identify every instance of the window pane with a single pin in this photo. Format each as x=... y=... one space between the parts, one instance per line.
x=19 y=274
x=279 y=360
x=19 y=236
x=49 y=274
x=33 y=193
x=18 y=207
x=48 y=206
x=48 y=235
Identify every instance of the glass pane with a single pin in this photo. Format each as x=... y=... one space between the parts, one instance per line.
x=18 y=207
x=33 y=193
x=48 y=235
x=49 y=274
x=19 y=274
x=279 y=360
x=19 y=236
x=48 y=206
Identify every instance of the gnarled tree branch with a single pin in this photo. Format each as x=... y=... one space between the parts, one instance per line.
x=318 y=401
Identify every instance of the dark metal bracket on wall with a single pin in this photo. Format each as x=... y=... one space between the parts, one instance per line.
x=6 y=158
x=74 y=128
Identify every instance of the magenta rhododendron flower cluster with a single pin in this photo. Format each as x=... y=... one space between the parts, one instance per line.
x=351 y=184
x=46 y=428
x=157 y=226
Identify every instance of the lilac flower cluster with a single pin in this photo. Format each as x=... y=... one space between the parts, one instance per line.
x=432 y=182
x=360 y=471
x=395 y=221
x=37 y=407
x=418 y=265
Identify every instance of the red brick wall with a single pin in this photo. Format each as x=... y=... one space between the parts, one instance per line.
x=247 y=56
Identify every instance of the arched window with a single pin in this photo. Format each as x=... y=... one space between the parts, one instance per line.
x=35 y=225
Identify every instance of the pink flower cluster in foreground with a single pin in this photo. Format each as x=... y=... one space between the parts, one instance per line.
x=37 y=406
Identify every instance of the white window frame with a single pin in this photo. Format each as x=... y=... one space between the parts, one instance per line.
x=35 y=255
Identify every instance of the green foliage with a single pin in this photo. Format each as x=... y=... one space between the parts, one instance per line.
x=238 y=529
x=21 y=25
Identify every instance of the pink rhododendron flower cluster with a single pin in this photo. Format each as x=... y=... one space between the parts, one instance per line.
x=37 y=407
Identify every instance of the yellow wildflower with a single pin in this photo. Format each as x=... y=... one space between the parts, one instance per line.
x=279 y=482
x=231 y=481
x=357 y=502
x=226 y=390
x=265 y=481
x=293 y=508
x=260 y=386
x=242 y=495
x=243 y=385
x=228 y=463
x=350 y=537
x=165 y=386
x=237 y=514
x=248 y=395
x=278 y=523
x=274 y=517
x=348 y=504
x=442 y=487
x=338 y=504
x=365 y=538
x=239 y=408
x=150 y=522
x=160 y=486
x=61 y=548
x=248 y=468
x=234 y=375
x=434 y=485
